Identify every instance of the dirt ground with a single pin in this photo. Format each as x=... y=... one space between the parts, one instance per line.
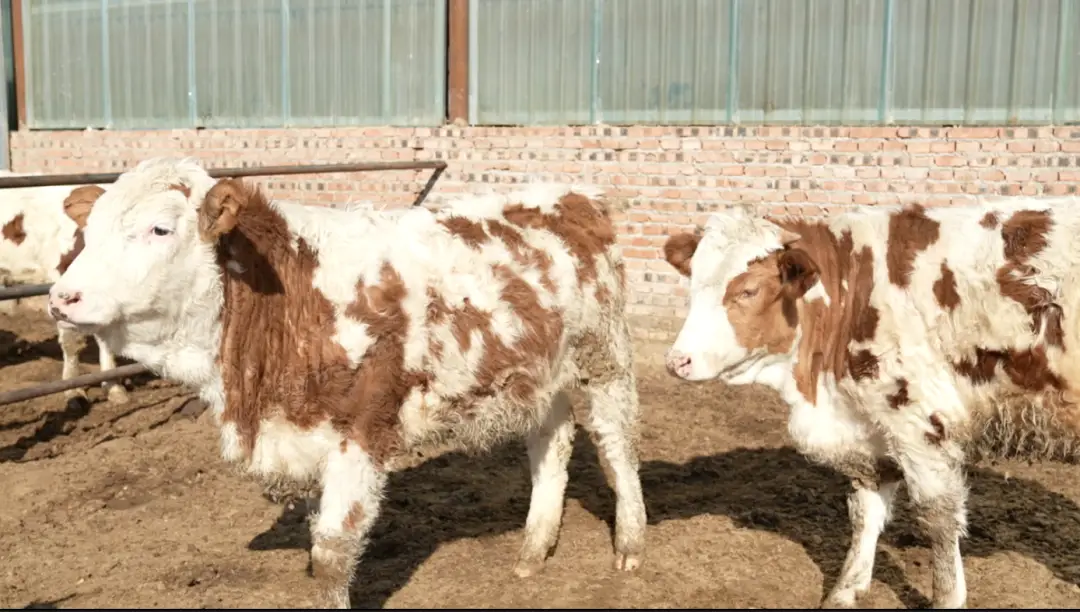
x=131 y=506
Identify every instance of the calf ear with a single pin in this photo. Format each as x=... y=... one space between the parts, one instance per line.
x=220 y=208
x=798 y=272
x=679 y=250
x=79 y=202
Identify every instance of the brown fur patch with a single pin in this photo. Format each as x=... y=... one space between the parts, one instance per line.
x=469 y=231
x=1028 y=369
x=79 y=203
x=354 y=518
x=830 y=328
x=67 y=258
x=989 y=220
x=184 y=189
x=77 y=206
x=1025 y=235
x=679 y=250
x=900 y=398
x=382 y=383
x=945 y=289
x=516 y=369
x=14 y=231
x=910 y=231
x=938 y=436
x=980 y=369
x=583 y=225
x=863 y=364
x=523 y=253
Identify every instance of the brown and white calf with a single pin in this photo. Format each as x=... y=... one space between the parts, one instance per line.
x=904 y=340
x=40 y=235
x=329 y=344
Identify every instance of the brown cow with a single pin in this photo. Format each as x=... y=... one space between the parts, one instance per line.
x=330 y=344
x=904 y=340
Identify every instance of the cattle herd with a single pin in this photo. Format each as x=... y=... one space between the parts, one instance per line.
x=330 y=345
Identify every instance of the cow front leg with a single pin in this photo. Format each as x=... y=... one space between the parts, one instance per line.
x=70 y=343
x=115 y=390
x=352 y=490
x=870 y=508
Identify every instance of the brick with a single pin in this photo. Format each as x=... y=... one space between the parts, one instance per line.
x=1021 y=147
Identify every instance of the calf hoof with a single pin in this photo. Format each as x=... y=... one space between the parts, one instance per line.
x=118 y=394
x=332 y=599
x=840 y=600
x=950 y=601
x=526 y=567
x=627 y=562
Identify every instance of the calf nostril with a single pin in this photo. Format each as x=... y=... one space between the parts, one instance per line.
x=69 y=298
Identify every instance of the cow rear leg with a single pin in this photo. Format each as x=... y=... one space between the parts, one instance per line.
x=549 y=453
x=115 y=389
x=870 y=509
x=352 y=489
x=70 y=343
x=939 y=495
x=613 y=419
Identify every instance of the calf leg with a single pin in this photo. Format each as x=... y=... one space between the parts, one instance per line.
x=870 y=508
x=115 y=389
x=70 y=343
x=352 y=489
x=937 y=489
x=613 y=418
x=549 y=453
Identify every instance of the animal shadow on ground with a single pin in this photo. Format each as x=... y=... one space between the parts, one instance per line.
x=47 y=605
x=55 y=423
x=776 y=490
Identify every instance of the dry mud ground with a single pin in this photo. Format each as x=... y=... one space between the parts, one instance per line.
x=131 y=506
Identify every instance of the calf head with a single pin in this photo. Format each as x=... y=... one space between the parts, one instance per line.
x=143 y=263
x=745 y=283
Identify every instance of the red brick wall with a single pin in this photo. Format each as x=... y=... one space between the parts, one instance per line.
x=672 y=176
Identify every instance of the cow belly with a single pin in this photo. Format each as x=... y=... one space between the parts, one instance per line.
x=470 y=423
x=832 y=434
x=283 y=450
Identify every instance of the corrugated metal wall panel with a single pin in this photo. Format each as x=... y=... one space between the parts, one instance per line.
x=235 y=63
x=775 y=61
x=222 y=63
x=533 y=60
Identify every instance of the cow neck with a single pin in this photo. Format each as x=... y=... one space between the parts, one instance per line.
x=276 y=327
x=828 y=327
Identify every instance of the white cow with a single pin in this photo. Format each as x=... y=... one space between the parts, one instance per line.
x=40 y=235
x=904 y=340
x=330 y=344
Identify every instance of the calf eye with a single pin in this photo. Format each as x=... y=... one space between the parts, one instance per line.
x=161 y=231
x=748 y=293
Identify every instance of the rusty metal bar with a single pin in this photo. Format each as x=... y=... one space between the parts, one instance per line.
x=429 y=185
x=23 y=291
x=59 y=386
x=18 y=52
x=457 y=59
x=10 y=182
